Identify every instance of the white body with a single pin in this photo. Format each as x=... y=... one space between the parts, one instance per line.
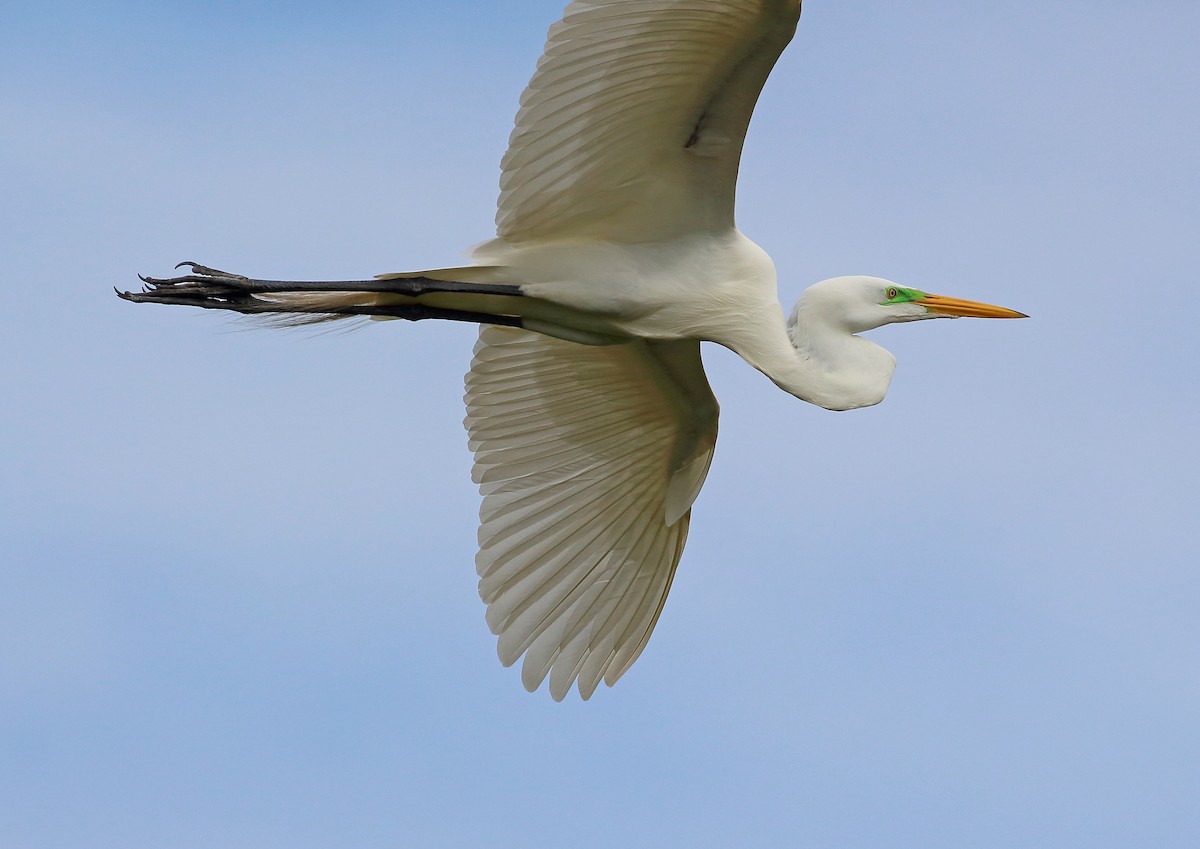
x=712 y=287
x=616 y=255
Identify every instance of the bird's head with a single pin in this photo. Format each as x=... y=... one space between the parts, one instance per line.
x=855 y=304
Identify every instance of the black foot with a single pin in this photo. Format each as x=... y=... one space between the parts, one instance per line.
x=203 y=287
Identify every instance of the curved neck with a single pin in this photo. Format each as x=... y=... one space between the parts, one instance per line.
x=817 y=362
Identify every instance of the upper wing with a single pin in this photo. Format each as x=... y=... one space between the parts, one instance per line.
x=633 y=123
x=588 y=459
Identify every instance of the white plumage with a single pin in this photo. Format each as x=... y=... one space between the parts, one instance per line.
x=577 y=549
x=632 y=125
x=588 y=410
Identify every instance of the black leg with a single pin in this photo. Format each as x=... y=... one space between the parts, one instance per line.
x=221 y=284
x=209 y=288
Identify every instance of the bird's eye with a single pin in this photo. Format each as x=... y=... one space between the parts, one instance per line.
x=892 y=293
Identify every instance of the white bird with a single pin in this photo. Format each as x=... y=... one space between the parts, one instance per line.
x=588 y=410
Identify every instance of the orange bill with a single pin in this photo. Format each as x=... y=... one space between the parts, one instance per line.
x=959 y=307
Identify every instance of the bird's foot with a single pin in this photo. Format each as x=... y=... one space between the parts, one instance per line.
x=203 y=285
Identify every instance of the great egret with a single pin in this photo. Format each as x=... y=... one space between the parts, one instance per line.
x=588 y=410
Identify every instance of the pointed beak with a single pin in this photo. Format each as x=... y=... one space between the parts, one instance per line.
x=958 y=307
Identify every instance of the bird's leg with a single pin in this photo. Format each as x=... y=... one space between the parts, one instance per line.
x=209 y=282
x=209 y=288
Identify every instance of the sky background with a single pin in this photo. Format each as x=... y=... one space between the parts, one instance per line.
x=237 y=593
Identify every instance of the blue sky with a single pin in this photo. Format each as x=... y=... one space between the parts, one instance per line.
x=237 y=602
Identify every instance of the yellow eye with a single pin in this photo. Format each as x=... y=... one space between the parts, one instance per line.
x=892 y=293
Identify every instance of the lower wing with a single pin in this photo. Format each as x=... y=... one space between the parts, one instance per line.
x=588 y=458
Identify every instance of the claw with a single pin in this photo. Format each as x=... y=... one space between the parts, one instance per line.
x=137 y=297
x=204 y=271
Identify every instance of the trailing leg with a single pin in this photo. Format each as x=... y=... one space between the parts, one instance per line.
x=395 y=296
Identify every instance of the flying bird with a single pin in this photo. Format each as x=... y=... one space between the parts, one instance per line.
x=616 y=254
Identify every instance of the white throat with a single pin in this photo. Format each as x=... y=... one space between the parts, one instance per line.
x=818 y=361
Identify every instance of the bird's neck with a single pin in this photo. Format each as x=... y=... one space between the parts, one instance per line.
x=820 y=363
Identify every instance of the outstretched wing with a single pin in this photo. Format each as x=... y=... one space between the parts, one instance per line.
x=588 y=459
x=633 y=123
